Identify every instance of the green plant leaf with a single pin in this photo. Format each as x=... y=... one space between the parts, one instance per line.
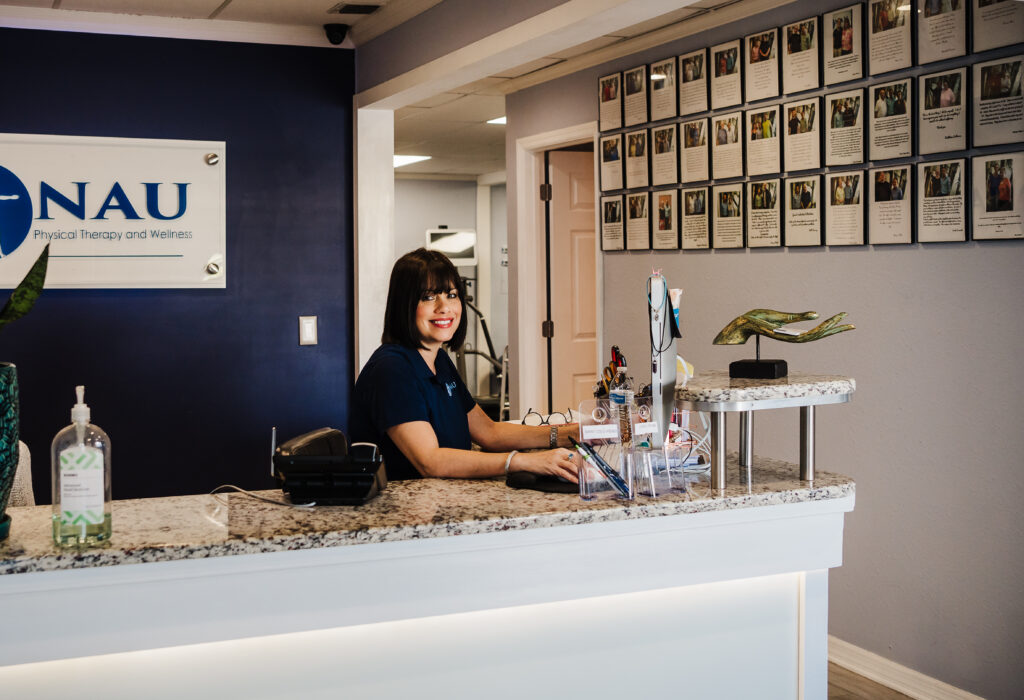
x=24 y=296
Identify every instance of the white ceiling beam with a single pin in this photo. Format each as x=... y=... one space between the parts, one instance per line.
x=388 y=17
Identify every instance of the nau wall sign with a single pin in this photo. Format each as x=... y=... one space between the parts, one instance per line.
x=116 y=212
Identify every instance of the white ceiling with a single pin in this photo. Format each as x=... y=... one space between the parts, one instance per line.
x=450 y=127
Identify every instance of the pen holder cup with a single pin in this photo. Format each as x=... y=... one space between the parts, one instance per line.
x=594 y=485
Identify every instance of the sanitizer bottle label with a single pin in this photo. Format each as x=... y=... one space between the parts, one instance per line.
x=81 y=486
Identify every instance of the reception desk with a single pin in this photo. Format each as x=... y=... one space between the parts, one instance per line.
x=436 y=588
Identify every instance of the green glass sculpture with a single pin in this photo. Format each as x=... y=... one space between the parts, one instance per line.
x=770 y=324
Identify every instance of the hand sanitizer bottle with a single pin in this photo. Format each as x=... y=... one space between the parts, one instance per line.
x=81 y=481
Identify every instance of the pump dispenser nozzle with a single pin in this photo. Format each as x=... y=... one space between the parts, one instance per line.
x=80 y=412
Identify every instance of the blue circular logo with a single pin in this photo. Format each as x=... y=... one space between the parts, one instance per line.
x=15 y=212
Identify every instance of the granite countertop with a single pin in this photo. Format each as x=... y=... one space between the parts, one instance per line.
x=195 y=527
x=717 y=386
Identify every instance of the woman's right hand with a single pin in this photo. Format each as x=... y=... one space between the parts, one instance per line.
x=559 y=462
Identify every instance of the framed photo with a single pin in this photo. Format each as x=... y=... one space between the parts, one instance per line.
x=636 y=159
x=762 y=74
x=727 y=229
x=695 y=150
x=941 y=30
x=764 y=146
x=664 y=98
x=664 y=155
x=891 y=121
x=695 y=229
x=638 y=221
x=726 y=86
x=612 y=231
x=764 y=218
x=844 y=51
x=800 y=56
x=844 y=130
x=803 y=211
x=727 y=148
x=998 y=196
x=889 y=38
x=611 y=162
x=996 y=23
x=803 y=134
x=609 y=90
x=666 y=226
x=998 y=105
x=889 y=216
x=635 y=100
x=942 y=206
x=942 y=119
x=844 y=208
x=693 y=82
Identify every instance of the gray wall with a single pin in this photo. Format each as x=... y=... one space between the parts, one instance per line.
x=933 y=556
x=497 y=322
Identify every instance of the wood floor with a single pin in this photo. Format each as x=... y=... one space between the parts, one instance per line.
x=847 y=685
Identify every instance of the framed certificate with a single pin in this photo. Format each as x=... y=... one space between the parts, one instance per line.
x=998 y=205
x=635 y=100
x=664 y=155
x=942 y=208
x=726 y=86
x=763 y=143
x=761 y=51
x=666 y=227
x=844 y=130
x=636 y=159
x=998 y=104
x=693 y=82
x=889 y=44
x=843 y=54
x=638 y=221
x=996 y=23
x=803 y=134
x=800 y=56
x=609 y=90
x=695 y=229
x=941 y=30
x=611 y=162
x=612 y=232
x=695 y=150
x=844 y=209
x=891 y=110
x=942 y=119
x=889 y=214
x=727 y=229
x=764 y=218
x=803 y=211
x=727 y=151
x=664 y=98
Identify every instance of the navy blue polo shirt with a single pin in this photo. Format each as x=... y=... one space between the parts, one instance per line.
x=396 y=387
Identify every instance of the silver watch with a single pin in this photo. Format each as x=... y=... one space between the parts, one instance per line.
x=553 y=439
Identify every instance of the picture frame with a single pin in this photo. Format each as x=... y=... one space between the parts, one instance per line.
x=612 y=171
x=890 y=217
x=998 y=201
x=664 y=155
x=637 y=159
x=844 y=128
x=664 y=92
x=695 y=163
x=800 y=52
x=727 y=145
x=761 y=73
x=764 y=140
x=638 y=221
x=941 y=30
x=665 y=231
x=891 y=119
x=996 y=23
x=612 y=225
x=803 y=211
x=634 y=96
x=942 y=112
x=844 y=208
x=998 y=104
x=764 y=213
x=695 y=215
x=843 y=54
x=693 y=82
x=889 y=35
x=727 y=223
x=726 y=74
x=802 y=142
x=609 y=98
x=942 y=207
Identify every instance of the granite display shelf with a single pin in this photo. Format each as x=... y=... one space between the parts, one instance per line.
x=201 y=527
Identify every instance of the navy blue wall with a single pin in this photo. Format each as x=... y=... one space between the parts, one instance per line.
x=189 y=382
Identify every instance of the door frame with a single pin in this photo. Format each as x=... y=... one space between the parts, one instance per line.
x=526 y=243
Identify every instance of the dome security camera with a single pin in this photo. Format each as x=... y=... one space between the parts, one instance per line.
x=336 y=32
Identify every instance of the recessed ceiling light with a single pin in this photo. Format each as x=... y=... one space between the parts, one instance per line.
x=499 y=120
x=408 y=160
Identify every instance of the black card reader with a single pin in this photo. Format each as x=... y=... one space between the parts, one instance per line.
x=320 y=466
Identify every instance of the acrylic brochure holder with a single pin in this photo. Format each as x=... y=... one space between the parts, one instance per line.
x=601 y=450
x=648 y=459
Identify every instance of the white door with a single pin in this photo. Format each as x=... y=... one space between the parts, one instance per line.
x=573 y=278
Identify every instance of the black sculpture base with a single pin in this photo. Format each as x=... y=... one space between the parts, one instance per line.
x=758 y=369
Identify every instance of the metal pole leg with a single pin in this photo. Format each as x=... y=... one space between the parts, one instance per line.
x=718 y=450
x=746 y=438
x=807 y=443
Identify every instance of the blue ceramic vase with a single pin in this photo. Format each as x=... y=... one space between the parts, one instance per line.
x=8 y=440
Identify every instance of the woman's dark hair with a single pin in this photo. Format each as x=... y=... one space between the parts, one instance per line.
x=414 y=273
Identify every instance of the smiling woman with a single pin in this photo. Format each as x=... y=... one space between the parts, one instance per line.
x=410 y=401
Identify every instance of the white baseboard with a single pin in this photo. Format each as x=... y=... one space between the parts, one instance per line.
x=891 y=674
